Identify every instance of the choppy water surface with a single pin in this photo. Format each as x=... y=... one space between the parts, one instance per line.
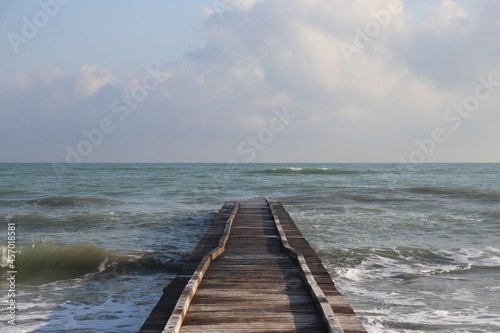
x=412 y=249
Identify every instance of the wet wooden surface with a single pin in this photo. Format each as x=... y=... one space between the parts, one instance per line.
x=255 y=284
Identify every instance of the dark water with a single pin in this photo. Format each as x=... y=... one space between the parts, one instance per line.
x=412 y=249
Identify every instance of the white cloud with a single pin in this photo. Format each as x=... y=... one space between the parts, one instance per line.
x=244 y=4
x=90 y=79
x=445 y=17
x=270 y=54
x=53 y=90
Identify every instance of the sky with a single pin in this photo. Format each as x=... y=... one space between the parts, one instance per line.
x=85 y=81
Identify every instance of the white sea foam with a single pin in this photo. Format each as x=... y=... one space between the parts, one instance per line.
x=488 y=257
x=406 y=248
x=85 y=304
x=102 y=265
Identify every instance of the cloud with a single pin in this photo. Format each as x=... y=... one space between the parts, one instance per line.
x=270 y=54
x=453 y=46
x=53 y=90
x=90 y=79
x=445 y=17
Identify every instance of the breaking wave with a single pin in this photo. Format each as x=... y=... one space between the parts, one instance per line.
x=457 y=192
x=408 y=263
x=52 y=261
x=71 y=202
x=309 y=171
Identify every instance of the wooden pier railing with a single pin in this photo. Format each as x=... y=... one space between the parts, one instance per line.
x=253 y=271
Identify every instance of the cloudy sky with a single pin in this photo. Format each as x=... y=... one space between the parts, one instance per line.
x=250 y=81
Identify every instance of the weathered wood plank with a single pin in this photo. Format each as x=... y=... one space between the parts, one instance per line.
x=228 y=317
x=256 y=284
x=254 y=328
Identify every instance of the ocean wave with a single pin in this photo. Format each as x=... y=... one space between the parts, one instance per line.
x=29 y=219
x=405 y=263
x=52 y=261
x=37 y=221
x=371 y=198
x=469 y=193
x=402 y=252
x=493 y=216
x=477 y=259
x=71 y=202
x=11 y=191
x=309 y=171
x=434 y=290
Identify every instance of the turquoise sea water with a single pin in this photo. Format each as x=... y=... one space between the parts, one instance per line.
x=412 y=248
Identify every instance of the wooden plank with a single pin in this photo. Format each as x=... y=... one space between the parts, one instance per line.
x=327 y=314
x=163 y=309
x=251 y=319
x=174 y=323
x=244 y=241
x=254 y=328
x=261 y=276
x=353 y=325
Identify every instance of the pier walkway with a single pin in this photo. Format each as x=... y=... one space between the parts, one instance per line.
x=252 y=272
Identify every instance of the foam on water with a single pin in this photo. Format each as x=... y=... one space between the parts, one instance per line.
x=309 y=171
x=411 y=250
x=428 y=320
x=85 y=304
x=423 y=290
x=488 y=257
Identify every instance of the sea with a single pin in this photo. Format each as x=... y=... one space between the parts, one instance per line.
x=413 y=248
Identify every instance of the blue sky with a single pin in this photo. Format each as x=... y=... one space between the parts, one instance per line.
x=249 y=81
x=106 y=33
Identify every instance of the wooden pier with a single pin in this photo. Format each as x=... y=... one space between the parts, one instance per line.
x=253 y=271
